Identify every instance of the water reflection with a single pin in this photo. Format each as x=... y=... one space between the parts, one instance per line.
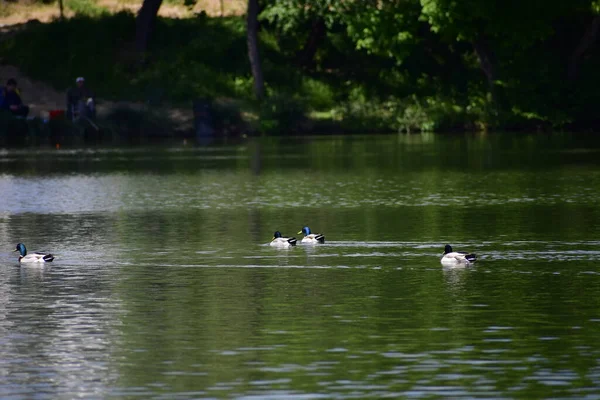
x=164 y=287
x=56 y=329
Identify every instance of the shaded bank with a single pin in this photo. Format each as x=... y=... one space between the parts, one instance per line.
x=318 y=78
x=124 y=123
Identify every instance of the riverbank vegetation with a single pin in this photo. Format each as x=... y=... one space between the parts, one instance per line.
x=352 y=65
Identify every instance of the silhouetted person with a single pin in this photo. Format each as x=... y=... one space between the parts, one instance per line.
x=12 y=100
x=80 y=101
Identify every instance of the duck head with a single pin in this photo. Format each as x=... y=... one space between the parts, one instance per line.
x=447 y=249
x=21 y=249
x=305 y=231
x=276 y=235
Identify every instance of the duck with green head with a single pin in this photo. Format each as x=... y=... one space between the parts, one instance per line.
x=32 y=257
x=280 y=241
x=311 y=238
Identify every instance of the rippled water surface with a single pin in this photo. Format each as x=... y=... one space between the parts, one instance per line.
x=164 y=286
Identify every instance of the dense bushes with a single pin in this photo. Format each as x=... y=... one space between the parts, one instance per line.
x=356 y=77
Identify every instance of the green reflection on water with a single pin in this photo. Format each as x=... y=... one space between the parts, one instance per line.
x=200 y=306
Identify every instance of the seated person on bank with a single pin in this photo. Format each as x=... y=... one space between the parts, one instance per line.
x=12 y=100
x=80 y=101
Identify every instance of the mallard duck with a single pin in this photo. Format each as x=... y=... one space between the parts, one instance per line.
x=280 y=241
x=311 y=237
x=33 y=257
x=455 y=258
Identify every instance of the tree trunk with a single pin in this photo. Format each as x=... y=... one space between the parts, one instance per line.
x=144 y=24
x=486 y=62
x=62 y=9
x=317 y=33
x=253 y=56
x=587 y=41
x=222 y=8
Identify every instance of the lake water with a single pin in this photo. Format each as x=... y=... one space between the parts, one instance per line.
x=164 y=286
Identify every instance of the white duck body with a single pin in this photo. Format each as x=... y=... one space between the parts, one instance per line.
x=280 y=241
x=36 y=257
x=32 y=257
x=311 y=238
x=457 y=258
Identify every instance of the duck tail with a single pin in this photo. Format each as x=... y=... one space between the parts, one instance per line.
x=48 y=257
x=292 y=241
x=320 y=238
x=471 y=257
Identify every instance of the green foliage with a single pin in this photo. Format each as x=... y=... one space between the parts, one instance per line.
x=60 y=51
x=382 y=65
x=408 y=114
x=282 y=115
x=289 y=15
x=212 y=63
x=319 y=95
x=86 y=7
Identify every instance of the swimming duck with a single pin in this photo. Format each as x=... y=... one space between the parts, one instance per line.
x=457 y=258
x=33 y=257
x=280 y=241
x=311 y=237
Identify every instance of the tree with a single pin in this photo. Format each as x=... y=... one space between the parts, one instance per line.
x=490 y=61
x=386 y=28
x=61 y=9
x=585 y=44
x=144 y=24
x=315 y=37
x=504 y=33
x=253 y=54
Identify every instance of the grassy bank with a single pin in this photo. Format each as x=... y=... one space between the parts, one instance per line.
x=345 y=89
x=206 y=57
